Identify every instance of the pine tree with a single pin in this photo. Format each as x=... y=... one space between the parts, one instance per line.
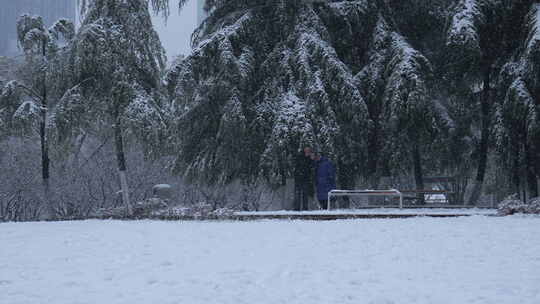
x=332 y=75
x=382 y=88
x=479 y=40
x=517 y=121
x=119 y=51
x=250 y=91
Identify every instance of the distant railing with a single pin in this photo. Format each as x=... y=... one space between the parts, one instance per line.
x=391 y=192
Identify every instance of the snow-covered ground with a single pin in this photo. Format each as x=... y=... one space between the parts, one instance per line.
x=405 y=211
x=474 y=259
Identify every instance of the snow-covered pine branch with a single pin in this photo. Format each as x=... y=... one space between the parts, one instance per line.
x=120 y=53
x=290 y=82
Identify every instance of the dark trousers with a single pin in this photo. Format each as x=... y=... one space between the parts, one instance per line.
x=323 y=204
x=340 y=203
x=301 y=199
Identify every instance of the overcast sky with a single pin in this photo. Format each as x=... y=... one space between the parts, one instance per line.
x=176 y=33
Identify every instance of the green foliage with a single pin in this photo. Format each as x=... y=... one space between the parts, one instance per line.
x=31 y=99
x=266 y=79
x=118 y=60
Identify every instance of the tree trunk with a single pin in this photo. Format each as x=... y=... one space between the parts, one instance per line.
x=373 y=154
x=459 y=189
x=532 y=181
x=44 y=141
x=45 y=173
x=346 y=181
x=374 y=138
x=121 y=160
x=418 y=175
x=484 y=140
x=515 y=173
x=45 y=161
x=80 y=143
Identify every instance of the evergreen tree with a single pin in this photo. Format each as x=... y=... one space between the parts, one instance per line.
x=479 y=41
x=395 y=83
x=118 y=50
x=263 y=81
x=517 y=115
x=29 y=102
x=266 y=79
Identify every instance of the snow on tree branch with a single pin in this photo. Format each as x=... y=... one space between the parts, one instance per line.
x=463 y=30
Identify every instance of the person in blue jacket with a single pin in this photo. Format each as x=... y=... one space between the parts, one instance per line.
x=325 y=178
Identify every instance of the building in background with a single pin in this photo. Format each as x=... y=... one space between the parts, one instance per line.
x=201 y=13
x=50 y=10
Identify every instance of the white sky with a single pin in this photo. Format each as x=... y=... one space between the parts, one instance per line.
x=176 y=33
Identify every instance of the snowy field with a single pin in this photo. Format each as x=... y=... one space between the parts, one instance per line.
x=475 y=259
x=404 y=211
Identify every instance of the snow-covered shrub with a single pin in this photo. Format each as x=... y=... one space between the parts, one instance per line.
x=534 y=205
x=143 y=209
x=201 y=210
x=512 y=205
x=223 y=212
x=147 y=207
x=103 y=213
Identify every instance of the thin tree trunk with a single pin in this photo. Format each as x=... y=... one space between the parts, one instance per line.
x=459 y=185
x=484 y=141
x=346 y=181
x=44 y=147
x=373 y=156
x=532 y=181
x=374 y=138
x=121 y=160
x=45 y=161
x=45 y=173
x=515 y=174
x=418 y=174
x=80 y=142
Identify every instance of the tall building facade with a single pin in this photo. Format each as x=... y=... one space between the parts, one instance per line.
x=201 y=13
x=10 y=10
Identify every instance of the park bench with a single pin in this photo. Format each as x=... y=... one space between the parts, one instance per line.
x=402 y=194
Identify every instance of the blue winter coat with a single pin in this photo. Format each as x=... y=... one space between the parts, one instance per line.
x=326 y=178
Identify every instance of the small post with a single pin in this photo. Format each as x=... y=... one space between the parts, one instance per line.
x=329 y=200
x=400 y=200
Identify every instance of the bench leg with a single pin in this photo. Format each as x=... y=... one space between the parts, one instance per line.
x=329 y=201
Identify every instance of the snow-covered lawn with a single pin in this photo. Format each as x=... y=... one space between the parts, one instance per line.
x=404 y=211
x=420 y=260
